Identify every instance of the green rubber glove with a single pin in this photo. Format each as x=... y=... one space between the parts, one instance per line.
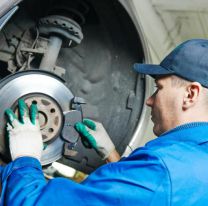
x=25 y=138
x=94 y=136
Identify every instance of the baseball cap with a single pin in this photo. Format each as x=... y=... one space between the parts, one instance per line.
x=188 y=60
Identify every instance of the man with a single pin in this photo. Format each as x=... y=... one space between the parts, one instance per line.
x=170 y=170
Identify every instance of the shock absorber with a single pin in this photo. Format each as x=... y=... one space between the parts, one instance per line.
x=62 y=26
x=62 y=32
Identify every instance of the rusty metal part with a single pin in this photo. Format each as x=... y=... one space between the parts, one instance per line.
x=53 y=32
x=62 y=32
x=64 y=28
x=50 y=116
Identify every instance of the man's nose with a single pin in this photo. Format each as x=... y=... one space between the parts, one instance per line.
x=149 y=101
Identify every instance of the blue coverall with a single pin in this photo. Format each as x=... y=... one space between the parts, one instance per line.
x=170 y=170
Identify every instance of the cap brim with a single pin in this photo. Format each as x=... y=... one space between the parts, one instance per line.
x=151 y=69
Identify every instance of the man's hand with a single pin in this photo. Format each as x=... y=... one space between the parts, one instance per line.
x=94 y=136
x=24 y=135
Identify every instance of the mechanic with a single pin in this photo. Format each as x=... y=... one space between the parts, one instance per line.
x=169 y=170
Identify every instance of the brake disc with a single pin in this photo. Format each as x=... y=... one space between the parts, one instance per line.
x=53 y=99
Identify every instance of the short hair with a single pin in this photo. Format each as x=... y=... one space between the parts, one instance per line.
x=178 y=81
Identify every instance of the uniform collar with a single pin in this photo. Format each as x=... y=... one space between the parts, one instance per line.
x=196 y=132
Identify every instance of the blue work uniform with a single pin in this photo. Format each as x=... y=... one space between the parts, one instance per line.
x=170 y=170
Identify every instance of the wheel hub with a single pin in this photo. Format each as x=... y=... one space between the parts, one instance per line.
x=49 y=113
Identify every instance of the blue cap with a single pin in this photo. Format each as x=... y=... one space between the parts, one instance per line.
x=189 y=60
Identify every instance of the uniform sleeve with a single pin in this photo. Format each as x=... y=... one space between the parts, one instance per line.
x=132 y=181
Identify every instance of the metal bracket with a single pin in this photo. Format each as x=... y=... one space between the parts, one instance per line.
x=77 y=102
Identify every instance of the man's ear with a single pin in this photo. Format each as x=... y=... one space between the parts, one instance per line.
x=191 y=95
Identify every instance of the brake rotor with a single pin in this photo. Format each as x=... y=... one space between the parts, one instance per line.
x=53 y=99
